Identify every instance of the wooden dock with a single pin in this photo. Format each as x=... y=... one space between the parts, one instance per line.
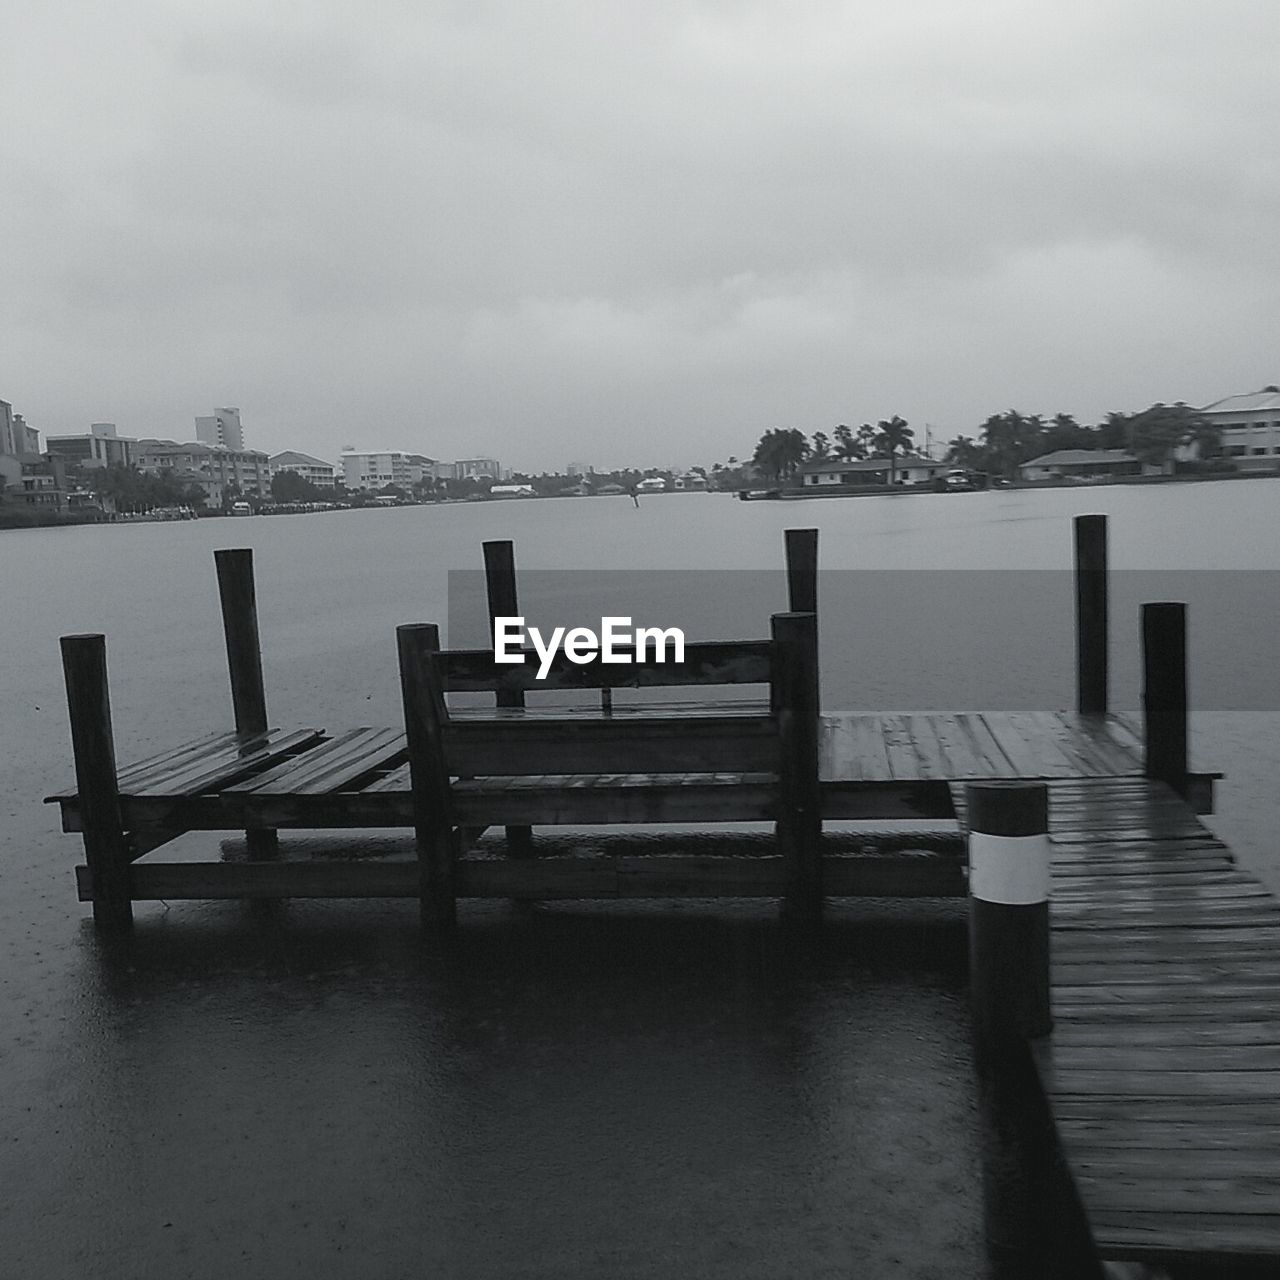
x=1162 y=1071
x=1161 y=1075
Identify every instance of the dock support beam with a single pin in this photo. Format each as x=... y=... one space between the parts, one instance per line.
x=1035 y=1226
x=84 y=667
x=802 y=570
x=433 y=827
x=239 y=602
x=1164 y=692
x=1091 y=614
x=796 y=706
x=500 y=584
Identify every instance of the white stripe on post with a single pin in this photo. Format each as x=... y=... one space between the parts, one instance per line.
x=1013 y=870
x=1009 y=908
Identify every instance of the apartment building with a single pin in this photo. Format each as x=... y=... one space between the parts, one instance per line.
x=316 y=470
x=1250 y=426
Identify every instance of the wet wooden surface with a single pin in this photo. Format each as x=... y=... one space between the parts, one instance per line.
x=1163 y=1067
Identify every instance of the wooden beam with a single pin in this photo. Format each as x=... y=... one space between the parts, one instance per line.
x=238 y=597
x=795 y=693
x=1091 y=614
x=84 y=667
x=1164 y=695
x=500 y=584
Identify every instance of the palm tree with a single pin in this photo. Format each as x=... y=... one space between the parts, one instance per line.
x=892 y=436
x=847 y=448
x=821 y=445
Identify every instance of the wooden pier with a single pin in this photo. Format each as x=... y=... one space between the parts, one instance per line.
x=1156 y=1095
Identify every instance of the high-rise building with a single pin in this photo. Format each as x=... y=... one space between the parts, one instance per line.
x=221 y=429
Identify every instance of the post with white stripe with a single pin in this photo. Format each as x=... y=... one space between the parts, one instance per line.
x=1009 y=908
x=1033 y=1221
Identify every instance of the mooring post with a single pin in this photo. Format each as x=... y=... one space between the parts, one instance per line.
x=795 y=695
x=1035 y=1226
x=802 y=570
x=1164 y=692
x=1091 y=614
x=106 y=848
x=500 y=583
x=424 y=716
x=239 y=601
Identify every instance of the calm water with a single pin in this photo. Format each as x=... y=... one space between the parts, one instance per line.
x=581 y=1091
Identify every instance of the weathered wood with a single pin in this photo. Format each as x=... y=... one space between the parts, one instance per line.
x=500 y=586
x=84 y=667
x=651 y=875
x=1092 y=629
x=1164 y=696
x=424 y=718
x=238 y=598
x=802 y=570
x=667 y=744
x=705 y=663
x=795 y=705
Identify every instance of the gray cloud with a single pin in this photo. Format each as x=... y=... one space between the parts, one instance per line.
x=633 y=233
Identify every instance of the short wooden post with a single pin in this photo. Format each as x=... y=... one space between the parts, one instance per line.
x=424 y=717
x=106 y=848
x=802 y=570
x=239 y=602
x=795 y=703
x=1091 y=614
x=1009 y=908
x=500 y=582
x=1035 y=1225
x=1164 y=692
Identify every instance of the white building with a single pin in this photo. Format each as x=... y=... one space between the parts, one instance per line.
x=315 y=470
x=216 y=470
x=100 y=447
x=907 y=469
x=221 y=429
x=371 y=469
x=1250 y=426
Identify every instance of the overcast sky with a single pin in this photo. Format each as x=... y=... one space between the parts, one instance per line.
x=631 y=233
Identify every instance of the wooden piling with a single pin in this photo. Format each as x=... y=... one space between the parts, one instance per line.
x=238 y=597
x=429 y=780
x=802 y=570
x=1164 y=692
x=1009 y=908
x=1091 y=614
x=84 y=667
x=799 y=825
x=500 y=584
x=1035 y=1225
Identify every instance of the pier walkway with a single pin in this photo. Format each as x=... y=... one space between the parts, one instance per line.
x=1162 y=1071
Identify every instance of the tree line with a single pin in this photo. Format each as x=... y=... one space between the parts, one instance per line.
x=1003 y=442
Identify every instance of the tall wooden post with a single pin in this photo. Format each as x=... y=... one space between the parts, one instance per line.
x=795 y=703
x=424 y=717
x=1091 y=614
x=1164 y=692
x=106 y=848
x=500 y=583
x=802 y=570
x=239 y=601
x=1035 y=1225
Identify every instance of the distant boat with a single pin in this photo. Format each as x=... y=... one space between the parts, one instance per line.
x=241 y=509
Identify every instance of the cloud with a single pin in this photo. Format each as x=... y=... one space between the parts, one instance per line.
x=628 y=224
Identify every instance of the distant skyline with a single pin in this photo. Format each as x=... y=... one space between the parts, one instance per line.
x=633 y=234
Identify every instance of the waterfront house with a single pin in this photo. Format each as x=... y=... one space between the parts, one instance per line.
x=1088 y=464
x=907 y=469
